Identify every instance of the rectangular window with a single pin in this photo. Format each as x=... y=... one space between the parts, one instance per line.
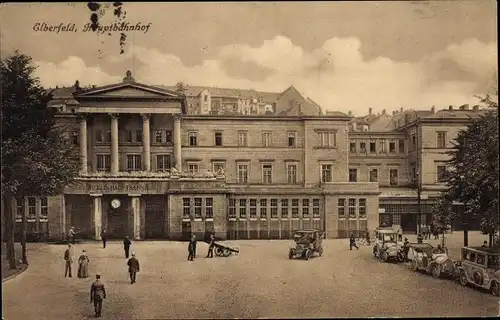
x=107 y=137
x=158 y=136
x=266 y=139
x=401 y=146
x=232 y=208
x=373 y=146
x=326 y=173
x=382 y=146
x=353 y=175
x=362 y=146
x=133 y=162
x=138 y=136
x=284 y=208
x=263 y=208
x=75 y=138
x=253 y=208
x=209 y=208
x=393 y=177
x=305 y=208
x=243 y=173
x=186 y=208
x=291 y=173
x=193 y=138
x=373 y=175
x=352 y=146
x=441 y=173
x=362 y=208
x=218 y=139
x=205 y=98
x=441 y=140
x=243 y=139
x=295 y=208
x=316 y=203
x=328 y=139
x=341 y=208
x=44 y=208
x=292 y=139
x=267 y=173
x=352 y=208
x=274 y=208
x=392 y=146
x=197 y=207
x=19 y=208
x=243 y=208
x=163 y=162
x=98 y=135
x=128 y=136
x=103 y=162
x=218 y=166
x=193 y=168
x=168 y=136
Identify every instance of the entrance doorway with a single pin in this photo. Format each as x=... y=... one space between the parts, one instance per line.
x=155 y=217
x=409 y=222
x=186 y=230
x=118 y=223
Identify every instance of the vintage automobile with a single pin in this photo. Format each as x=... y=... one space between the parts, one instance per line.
x=423 y=256
x=480 y=267
x=306 y=243
x=386 y=245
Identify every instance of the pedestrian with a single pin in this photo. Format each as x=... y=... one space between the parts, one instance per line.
x=71 y=235
x=192 y=248
x=211 y=245
x=420 y=238
x=133 y=268
x=83 y=265
x=97 y=295
x=406 y=248
x=352 y=242
x=436 y=233
x=104 y=237
x=68 y=258
x=425 y=234
x=126 y=246
x=367 y=236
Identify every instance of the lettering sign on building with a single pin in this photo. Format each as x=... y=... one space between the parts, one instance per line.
x=121 y=187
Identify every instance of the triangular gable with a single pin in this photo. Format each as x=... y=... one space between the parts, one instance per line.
x=129 y=90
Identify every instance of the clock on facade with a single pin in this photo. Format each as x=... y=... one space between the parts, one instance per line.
x=115 y=203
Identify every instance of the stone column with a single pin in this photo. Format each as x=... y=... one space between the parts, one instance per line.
x=177 y=143
x=115 y=161
x=83 y=143
x=97 y=215
x=136 y=210
x=146 y=142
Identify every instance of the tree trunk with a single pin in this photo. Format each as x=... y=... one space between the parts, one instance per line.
x=23 y=237
x=9 y=231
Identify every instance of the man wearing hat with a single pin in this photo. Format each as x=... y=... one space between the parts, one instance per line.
x=133 y=267
x=97 y=294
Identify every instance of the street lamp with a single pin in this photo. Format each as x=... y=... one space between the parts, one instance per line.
x=417 y=173
x=419 y=195
x=465 y=225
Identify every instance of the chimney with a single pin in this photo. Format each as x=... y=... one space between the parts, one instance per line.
x=370 y=111
x=76 y=86
x=383 y=112
x=349 y=113
x=450 y=108
x=475 y=108
x=433 y=109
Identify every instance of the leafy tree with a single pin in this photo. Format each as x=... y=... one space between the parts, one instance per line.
x=474 y=177
x=180 y=87
x=37 y=156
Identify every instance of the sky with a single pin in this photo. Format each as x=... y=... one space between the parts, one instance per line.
x=346 y=56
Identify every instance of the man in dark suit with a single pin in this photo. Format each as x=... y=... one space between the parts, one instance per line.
x=104 y=237
x=133 y=268
x=68 y=258
x=192 y=248
x=97 y=294
x=352 y=242
x=211 y=246
x=126 y=246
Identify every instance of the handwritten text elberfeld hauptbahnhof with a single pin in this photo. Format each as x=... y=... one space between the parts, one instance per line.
x=107 y=28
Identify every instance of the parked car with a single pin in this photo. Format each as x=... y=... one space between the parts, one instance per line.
x=435 y=261
x=307 y=242
x=481 y=268
x=386 y=245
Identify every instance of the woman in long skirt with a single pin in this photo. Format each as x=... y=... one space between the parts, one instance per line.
x=83 y=265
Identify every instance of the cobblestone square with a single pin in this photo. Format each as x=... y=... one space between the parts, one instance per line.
x=259 y=283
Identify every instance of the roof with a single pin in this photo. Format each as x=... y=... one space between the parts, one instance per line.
x=291 y=103
x=194 y=91
x=494 y=250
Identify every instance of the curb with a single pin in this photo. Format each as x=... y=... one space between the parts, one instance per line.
x=21 y=270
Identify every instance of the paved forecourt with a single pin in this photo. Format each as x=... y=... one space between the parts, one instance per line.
x=260 y=282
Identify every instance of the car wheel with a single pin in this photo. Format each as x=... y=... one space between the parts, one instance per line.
x=400 y=257
x=413 y=266
x=463 y=278
x=307 y=254
x=436 y=271
x=494 y=288
x=320 y=251
x=290 y=254
x=384 y=256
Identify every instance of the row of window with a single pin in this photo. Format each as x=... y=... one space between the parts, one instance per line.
x=373 y=176
x=37 y=208
x=261 y=208
x=351 y=205
x=134 y=162
x=372 y=146
x=128 y=136
x=218 y=140
x=440 y=140
x=194 y=207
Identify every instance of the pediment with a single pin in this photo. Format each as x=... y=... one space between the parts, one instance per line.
x=129 y=90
